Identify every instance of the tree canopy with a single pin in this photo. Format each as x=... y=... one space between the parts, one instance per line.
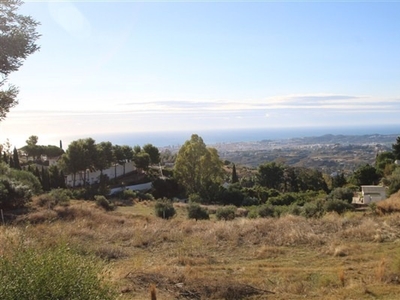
x=197 y=166
x=396 y=148
x=17 y=41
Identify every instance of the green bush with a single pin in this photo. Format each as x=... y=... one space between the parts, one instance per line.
x=28 y=179
x=46 y=274
x=266 y=210
x=253 y=212
x=284 y=199
x=314 y=209
x=128 y=194
x=195 y=198
x=226 y=212
x=195 y=211
x=164 y=209
x=61 y=196
x=13 y=194
x=294 y=210
x=146 y=196
x=338 y=206
x=341 y=193
x=102 y=201
x=250 y=201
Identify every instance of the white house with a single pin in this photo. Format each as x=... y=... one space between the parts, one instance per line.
x=93 y=177
x=370 y=194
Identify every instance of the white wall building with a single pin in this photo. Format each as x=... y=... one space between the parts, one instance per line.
x=370 y=194
x=93 y=177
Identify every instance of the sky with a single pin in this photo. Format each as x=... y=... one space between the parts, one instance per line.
x=128 y=66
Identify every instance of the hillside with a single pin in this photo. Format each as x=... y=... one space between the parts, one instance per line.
x=354 y=256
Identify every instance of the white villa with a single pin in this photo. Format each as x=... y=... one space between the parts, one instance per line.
x=370 y=194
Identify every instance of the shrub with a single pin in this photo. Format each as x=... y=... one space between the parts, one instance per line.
x=314 y=209
x=61 y=196
x=294 y=210
x=142 y=196
x=266 y=210
x=250 y=201
x=341 y=194
x=195 y=198
x=253 y=212
x=51 y=274
x=13 y=194
x=338 y=206
x=226 y=213
x=28 y=179
x=164 y=209
x=195 y=211
x=284 y=199
x=79 y=194
x=102 y=201
x=128 y=194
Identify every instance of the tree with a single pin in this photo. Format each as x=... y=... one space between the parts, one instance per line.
x=338 y=181
x=79 y=157
x=104 y=156
x=197 y=166
x=17 y=41
x=122 y=155
x=142 y=160
x=32 y=140
x=153 y=152
x=341 y=193
x=270 y=175
x=16 y=159
x=365 y=175
x=396 y=148
x=234 y=175
x=384 y=162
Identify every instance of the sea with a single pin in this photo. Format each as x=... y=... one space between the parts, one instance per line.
x=210 y=137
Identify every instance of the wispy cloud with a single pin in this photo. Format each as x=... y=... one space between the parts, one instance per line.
x=290 y=102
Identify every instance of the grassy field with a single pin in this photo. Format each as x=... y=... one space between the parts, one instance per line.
x=355 y=256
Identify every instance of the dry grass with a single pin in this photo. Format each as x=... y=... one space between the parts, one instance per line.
x=342 y=257
x=390 y=205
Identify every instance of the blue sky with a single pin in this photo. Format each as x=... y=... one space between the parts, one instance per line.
x=131 y=66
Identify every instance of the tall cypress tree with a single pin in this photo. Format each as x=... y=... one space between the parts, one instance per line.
x=45 y=179
x=234 y=175
x=16 y=159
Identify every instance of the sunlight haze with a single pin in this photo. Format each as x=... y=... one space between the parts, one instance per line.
x=107 y=67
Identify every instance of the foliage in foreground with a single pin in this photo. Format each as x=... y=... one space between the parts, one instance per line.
x=164 y=209
x=195 y=211
x=226 y=213
x=58 y=273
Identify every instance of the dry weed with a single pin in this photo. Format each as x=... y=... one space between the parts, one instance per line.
x=390 y=205
x=341 y=276
x=381 y=270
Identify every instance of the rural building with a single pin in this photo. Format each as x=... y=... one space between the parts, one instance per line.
x=370 y=194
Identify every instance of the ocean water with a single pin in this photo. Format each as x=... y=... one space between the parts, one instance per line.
x=175 y=138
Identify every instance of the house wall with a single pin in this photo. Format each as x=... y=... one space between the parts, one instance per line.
x=370 y=194
x=93 y=177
